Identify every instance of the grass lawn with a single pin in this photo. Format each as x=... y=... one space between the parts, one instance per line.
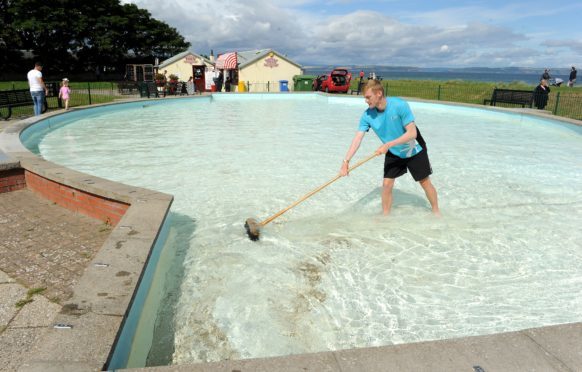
x=569 y=105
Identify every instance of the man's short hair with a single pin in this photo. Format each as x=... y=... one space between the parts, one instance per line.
x=39 y=64
x=375 y=86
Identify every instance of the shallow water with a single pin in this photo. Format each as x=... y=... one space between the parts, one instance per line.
x=332 y=273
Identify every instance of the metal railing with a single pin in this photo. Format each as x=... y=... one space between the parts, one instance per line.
x=567 y=102
x=81 y=94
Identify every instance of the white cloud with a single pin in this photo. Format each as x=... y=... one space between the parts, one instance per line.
x=574 y=45
x=440 y=38
x=510 y=12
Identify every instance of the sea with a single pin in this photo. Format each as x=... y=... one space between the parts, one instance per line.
x=486 y=76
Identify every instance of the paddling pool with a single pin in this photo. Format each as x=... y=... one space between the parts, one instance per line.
x=332 y=273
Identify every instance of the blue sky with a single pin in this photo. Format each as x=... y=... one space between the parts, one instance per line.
x=384 y=32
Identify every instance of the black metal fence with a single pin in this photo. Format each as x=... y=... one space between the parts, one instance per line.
x=81 y=94
x=564 y=101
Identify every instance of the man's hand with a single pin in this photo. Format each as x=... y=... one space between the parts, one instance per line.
x=383 y=149
x=345 y=169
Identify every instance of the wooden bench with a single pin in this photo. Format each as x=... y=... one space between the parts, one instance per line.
x=128 y=87
x=17 y=98
x=517 y=97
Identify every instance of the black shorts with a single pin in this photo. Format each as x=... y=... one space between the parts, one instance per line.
x=418 y=165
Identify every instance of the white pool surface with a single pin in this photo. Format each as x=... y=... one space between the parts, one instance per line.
x=333 y=273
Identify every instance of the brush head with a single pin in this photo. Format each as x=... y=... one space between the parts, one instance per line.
x=252 y=227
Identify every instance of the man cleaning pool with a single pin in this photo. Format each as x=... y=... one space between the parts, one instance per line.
x=393 y=122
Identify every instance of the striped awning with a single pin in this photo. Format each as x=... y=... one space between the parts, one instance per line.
x=227 y=61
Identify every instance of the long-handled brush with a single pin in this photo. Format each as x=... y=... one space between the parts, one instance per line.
x=253 y=227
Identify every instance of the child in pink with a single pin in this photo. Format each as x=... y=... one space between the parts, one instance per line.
x=65 y=92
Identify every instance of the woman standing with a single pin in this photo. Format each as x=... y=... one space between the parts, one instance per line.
x=541 y=94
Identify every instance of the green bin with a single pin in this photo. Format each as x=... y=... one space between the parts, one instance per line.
x=143 y=90
x=303 y=83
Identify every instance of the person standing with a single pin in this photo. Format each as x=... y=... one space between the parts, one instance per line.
x=38 y=89
x=546 y=74
x=361 y=82
x=405 y=149
x=572 y=78
x=541 y=94
x=219 y=81
x=227 y=84
x=190 y=87
x=64 y=92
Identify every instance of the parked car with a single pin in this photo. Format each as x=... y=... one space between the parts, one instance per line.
x=337 y=81
x=318 y=81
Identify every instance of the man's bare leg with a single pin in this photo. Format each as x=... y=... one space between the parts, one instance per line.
x=387 y=187
x=431 y=195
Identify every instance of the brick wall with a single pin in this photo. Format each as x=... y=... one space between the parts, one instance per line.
x=107 y=210
x=11 y=180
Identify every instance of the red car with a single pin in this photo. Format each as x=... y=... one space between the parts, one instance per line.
x=337 y=81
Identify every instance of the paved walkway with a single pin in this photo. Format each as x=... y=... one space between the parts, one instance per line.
x=44 y=250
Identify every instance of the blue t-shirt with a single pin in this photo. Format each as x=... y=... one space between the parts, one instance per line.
x=390 y=124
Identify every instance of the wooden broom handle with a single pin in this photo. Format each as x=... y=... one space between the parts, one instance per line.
x=266 y=221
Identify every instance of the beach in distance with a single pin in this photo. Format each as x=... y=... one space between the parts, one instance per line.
x=502 y=75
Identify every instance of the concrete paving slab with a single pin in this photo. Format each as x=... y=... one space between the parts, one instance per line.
x=13 y=346
x=558 y=340
x=317 y=362
x=88 y=342
x=53 y=366
x=491 y=353
x=10 y=294
x=38 y=313
x=106 y=290
x=109 y=289
x=6 y=162
x=513 y=351
x=4 y=278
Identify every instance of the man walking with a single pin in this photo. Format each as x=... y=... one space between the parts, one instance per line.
x=38 y=89
x=393 y=122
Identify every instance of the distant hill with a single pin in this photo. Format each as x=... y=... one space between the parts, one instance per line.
x=481 y=70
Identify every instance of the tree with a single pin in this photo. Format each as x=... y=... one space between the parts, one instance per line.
x=10 y=55
x=81 y=35
x=44 y=29
x=150 y=37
